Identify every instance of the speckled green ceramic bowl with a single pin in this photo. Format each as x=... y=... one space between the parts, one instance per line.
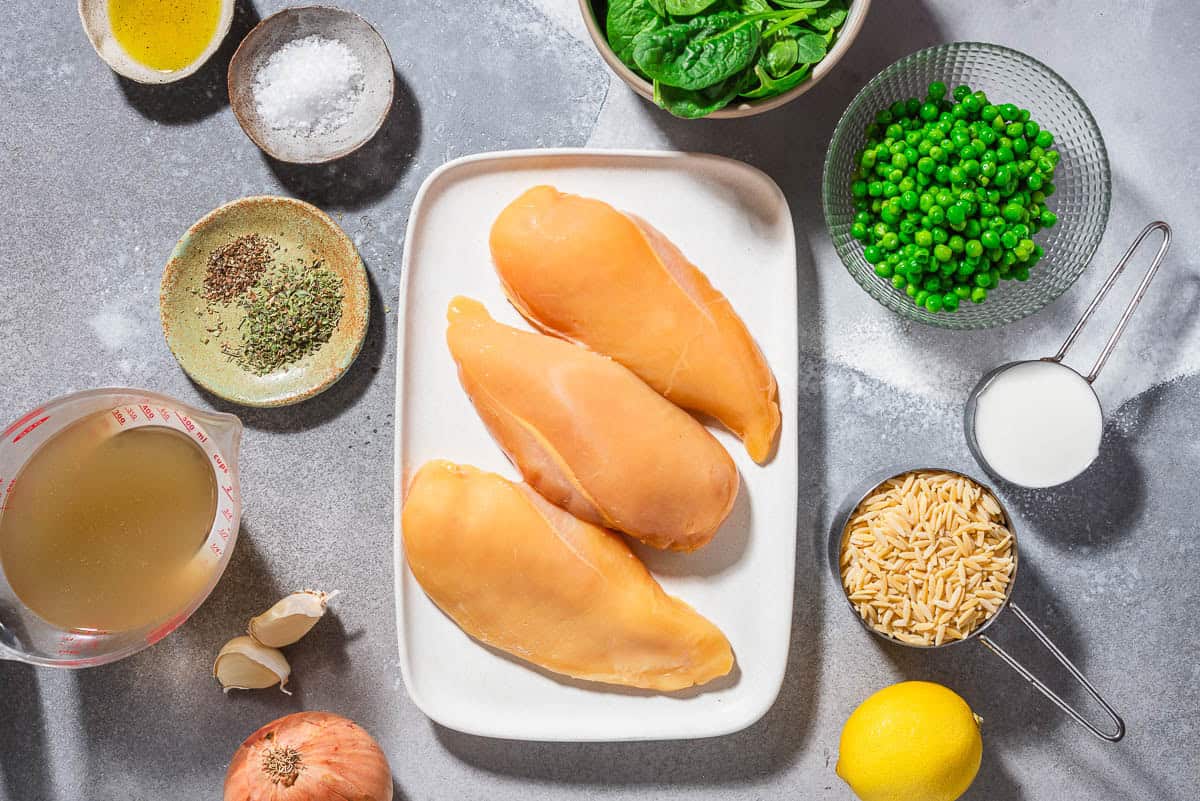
x=303 y=232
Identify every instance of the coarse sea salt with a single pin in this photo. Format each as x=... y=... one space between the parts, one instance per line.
x=309 y=86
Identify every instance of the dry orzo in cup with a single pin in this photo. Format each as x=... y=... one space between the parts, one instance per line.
x=927 y=558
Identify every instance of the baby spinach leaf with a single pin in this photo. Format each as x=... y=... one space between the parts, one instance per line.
x=686 y=8
x=626 y=19
x=694 y=103
x=800 y=3
x=753 y=6
x=810 y=48
x=698 y=53
x=829 y=16
x=769 y=87
x=781 y=56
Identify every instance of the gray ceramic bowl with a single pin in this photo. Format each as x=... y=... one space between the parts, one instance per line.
x=745 y=108
x=297 y=23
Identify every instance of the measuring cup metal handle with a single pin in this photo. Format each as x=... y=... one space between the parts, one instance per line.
x=995 y=648
x=1133 y=302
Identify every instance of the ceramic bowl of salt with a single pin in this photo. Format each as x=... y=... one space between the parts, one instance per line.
x=311 y=84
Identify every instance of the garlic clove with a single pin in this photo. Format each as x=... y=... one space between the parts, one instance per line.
x=243 y=664
x=289 y=619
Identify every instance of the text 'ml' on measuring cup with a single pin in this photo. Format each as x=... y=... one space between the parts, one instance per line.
x=1039 y=423
x=27 y=637
x=837 y=536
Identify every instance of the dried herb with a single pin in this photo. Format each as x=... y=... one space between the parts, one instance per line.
x=236 y=266
x=291 y=312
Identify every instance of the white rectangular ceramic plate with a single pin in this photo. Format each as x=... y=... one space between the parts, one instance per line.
x=734 y=223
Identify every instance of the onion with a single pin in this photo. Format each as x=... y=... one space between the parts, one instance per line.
x=309 y=756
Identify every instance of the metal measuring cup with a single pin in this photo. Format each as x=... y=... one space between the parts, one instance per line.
x=837 y=537
x=1057 y=359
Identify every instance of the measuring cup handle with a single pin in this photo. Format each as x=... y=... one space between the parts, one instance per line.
x=1158 y=225
x=995 y=648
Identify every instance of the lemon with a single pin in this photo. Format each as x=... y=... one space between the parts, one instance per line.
x=913 y=741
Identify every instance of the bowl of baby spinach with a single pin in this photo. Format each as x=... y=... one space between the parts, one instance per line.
x=722 y=58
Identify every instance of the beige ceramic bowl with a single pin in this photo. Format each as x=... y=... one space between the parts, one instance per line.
x=94 y=14
x=849 y=30
x=303 y=232
x=297 y=23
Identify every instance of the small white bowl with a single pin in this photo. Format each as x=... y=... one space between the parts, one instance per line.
x=94 y=15
x=379 y=82
x=746 y=108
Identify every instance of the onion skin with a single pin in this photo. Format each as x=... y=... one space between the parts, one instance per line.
x=335 y=757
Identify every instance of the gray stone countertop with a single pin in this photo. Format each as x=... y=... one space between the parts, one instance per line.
x=100 y=177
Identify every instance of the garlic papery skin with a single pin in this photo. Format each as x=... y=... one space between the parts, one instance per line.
x=243 y=664
x=289 y=619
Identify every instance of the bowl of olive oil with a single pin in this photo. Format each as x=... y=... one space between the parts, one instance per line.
x=156 y=41
x=118 y=513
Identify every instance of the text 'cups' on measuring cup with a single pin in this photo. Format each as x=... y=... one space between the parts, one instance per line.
x=837 y=538
x=91 y=420
x=1039 y=423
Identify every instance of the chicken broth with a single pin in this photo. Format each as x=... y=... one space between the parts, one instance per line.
x=102 y=530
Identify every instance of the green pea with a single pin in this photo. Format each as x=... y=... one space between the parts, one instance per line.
x=890 y=189
x=926 y=164
x=910 y=289
x=923 y=238
x=961 y=92
x=1021 y=273
x=932 y=284
x=909 y=200
x=872 y=254
x=890 y=214
x=950 y=301
x=898 y=281
x=963 y=291
x=937 y=91
x=1035 y=182
x=1047 y=188
x=941 y=253
x=957 y=176
x=922 y=255
x=1048 y=218
x=859 y=232
x=973 y=248
x=1013 y=212
x=1044 y=139
x=928 y=111
x=972 y=104
x=972 y=229
x=884 y=270
x=890 y=241
x=920 y=297
x=895 y=176
x=912 y=106
x=970 y=168
x=933 y=303
x=1003 y=176
x=1009 y=111
x=942 y=174
x=989 y=239
x=899 y=161
x=937 y=153
x=1008 y=239
x=1004 y=154
x=956 y=214
x=883 y=116
x=988 y=112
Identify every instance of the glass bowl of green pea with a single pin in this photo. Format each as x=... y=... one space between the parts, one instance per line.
x=966 y=186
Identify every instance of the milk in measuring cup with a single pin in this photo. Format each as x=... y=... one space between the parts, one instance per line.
x=1038 y=424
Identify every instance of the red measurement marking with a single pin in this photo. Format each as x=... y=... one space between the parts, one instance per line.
x=227 y=514
x=23 y=421
x=29 y=428
x=185 y=422
x=223 y=533
x=146 y=410
x=132 y=412
x=220 y=463
x=229 y=492
x=216 y=549
x=120 y=418
x=165 y=629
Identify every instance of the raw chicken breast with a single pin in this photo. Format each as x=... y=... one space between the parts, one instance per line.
x=522 y=575
x=590 y=436
x=581 y=270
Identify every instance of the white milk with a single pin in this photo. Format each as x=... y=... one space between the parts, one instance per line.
x=1038 y=424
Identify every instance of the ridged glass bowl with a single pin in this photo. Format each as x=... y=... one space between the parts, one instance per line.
x=1082 y=180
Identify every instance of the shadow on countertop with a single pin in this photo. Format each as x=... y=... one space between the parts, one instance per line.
x=24 y=768
x=201 y=94
x=369 y=173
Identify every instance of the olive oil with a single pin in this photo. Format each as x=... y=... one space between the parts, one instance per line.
x=102 y=529
x=164 y=34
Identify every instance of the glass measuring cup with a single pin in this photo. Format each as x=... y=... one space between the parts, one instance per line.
x=1016 y=436
x=26 y=637
x=837 y=533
